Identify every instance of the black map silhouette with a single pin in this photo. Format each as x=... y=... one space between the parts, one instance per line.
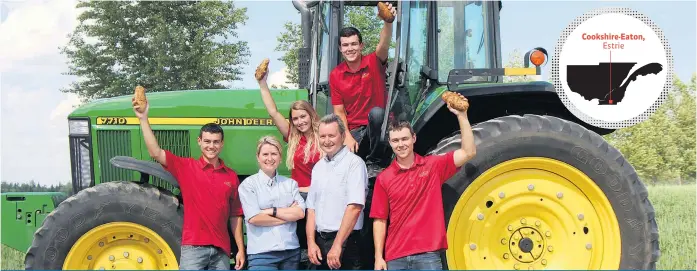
x=606 y=81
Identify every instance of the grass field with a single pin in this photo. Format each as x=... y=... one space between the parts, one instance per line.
x=675 y=211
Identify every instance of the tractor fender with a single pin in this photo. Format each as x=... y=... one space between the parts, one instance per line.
x=432 y=121
x=432 y=103
x=145 y=167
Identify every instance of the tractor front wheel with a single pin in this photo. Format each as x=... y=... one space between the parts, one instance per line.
x=546 y=193
x=115 y=225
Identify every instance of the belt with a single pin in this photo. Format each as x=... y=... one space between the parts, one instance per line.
x=332 y=234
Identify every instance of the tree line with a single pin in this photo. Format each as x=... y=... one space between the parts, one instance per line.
x=195 y=45
x=33 y=186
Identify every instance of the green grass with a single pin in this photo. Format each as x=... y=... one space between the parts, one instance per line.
x=12 y=259
x=675 y=212
x=675 y=215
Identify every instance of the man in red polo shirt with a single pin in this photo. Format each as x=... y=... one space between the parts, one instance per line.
x=357 y=88
x=416 y=230
x=209 y=189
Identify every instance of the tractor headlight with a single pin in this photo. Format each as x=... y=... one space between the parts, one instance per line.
x=78 y=127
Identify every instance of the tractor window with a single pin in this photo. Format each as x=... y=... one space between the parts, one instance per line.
x=324 y=43
x=463 y=32
x=415 y=13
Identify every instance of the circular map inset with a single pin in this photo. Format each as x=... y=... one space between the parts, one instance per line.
x=612 y=67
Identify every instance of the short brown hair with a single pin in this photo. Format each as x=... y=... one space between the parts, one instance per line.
x=399 y=125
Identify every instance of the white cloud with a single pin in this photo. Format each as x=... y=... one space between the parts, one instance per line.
x=34 y=138
x=35 y=29
x=64 y=107
x=34 y=135
x=279 y=78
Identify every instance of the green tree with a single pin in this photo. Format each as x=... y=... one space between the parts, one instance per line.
x=364 y=18
x=162 y=46
x=662 y=148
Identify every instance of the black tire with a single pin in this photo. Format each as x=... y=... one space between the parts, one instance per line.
x=95 y=206
x=511 y=137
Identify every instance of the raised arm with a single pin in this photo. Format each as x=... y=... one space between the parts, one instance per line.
x=276 y=116
x=150 y=141
x=467 y=149
x=385 y=37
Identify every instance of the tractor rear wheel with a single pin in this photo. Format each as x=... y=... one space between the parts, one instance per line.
x=543 y=192
x=114 y=225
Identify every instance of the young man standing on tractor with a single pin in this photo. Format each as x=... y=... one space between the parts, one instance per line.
x=416 y=230
x=357 y=87
x=209 y=189
x=335 y=201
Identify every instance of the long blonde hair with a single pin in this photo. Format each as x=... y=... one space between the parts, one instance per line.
x=294 y=134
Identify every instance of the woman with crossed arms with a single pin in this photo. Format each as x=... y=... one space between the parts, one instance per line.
x=272 y=204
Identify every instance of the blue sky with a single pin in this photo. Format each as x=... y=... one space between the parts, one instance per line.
x=33 y=112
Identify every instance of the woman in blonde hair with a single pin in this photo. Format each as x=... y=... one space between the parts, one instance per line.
x=272 y=206
x=301 y=134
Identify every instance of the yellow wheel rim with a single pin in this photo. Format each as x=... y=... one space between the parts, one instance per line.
x=120 y=245
x=533 y=213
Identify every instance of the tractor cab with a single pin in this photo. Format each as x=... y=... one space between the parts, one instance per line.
x=439 y=45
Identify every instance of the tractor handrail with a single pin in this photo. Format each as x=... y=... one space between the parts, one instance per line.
x=393 y=72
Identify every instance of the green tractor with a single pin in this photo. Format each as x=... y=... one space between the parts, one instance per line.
x=545 y=191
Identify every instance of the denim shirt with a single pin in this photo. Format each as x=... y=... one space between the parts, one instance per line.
x=258 y=192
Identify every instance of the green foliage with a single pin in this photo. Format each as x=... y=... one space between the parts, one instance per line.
x=662 y=148
x=35 y=187
x=362 y=18
x=160 y=45
x=289 y=42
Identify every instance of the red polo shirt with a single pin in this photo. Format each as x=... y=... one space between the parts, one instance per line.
x=302 y=171
x=210 y=200
x=359 y=91
x=412 y=200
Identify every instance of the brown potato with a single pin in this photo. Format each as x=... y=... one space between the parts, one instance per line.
x=140 y=99
x=455 y=100
x=385 y=13
x=262 y=69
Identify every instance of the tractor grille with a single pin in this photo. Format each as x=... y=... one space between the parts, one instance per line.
x=113 y=143
x=176 y=141
x=81 y=162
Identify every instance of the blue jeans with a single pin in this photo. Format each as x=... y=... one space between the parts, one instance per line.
x=203 y=257
x=421 y=261
x=275 y=260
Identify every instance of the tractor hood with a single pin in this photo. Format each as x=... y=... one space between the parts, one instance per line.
x=192 y=103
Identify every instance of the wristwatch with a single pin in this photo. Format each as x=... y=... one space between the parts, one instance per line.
x=274 y=212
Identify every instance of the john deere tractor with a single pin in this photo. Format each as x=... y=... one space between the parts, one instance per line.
x=545 y=191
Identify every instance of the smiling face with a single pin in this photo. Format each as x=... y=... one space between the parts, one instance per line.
x=302 y=120
x=268 y=158
x=402 y=142
x=330 y=138
x=211 y=144
x=351 y=48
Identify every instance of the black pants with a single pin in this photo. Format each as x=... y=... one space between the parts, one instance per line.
x=372 y=130
x=350 y=253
